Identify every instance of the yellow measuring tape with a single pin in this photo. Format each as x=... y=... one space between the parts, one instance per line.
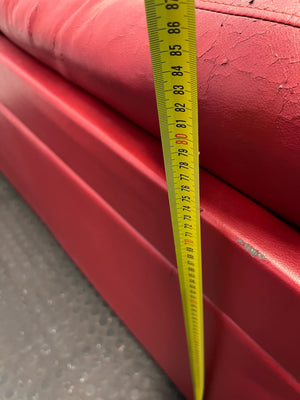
x=172 y=36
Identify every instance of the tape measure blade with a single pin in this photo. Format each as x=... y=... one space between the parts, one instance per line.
x=171 y=29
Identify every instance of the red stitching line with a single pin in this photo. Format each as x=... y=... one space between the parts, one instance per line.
x=248 y=8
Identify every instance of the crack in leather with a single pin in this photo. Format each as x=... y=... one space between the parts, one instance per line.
x=228 y=9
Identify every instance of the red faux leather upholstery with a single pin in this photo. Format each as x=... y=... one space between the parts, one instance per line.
x=248 y=71
x=97 y=181
x=281 y=11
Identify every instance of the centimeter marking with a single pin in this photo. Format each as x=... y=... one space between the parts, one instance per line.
x=172 y=36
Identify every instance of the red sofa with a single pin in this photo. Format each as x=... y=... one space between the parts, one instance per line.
x=79 y=139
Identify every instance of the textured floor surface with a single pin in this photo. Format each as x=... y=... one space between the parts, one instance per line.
x=58 y=338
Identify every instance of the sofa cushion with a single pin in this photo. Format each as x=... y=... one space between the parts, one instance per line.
x=248 y=72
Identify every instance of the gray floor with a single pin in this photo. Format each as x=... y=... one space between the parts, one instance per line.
x=58 y=338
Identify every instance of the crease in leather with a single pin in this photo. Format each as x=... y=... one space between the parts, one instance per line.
x=15 y=121
x=245 y=11
x=67 y=22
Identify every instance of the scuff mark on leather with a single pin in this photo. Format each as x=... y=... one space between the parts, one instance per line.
x=252 y=250
x=32 y=17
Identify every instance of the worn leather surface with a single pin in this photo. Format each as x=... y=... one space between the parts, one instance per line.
x=248 y=72
x=281 y=11
x=101 y=190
